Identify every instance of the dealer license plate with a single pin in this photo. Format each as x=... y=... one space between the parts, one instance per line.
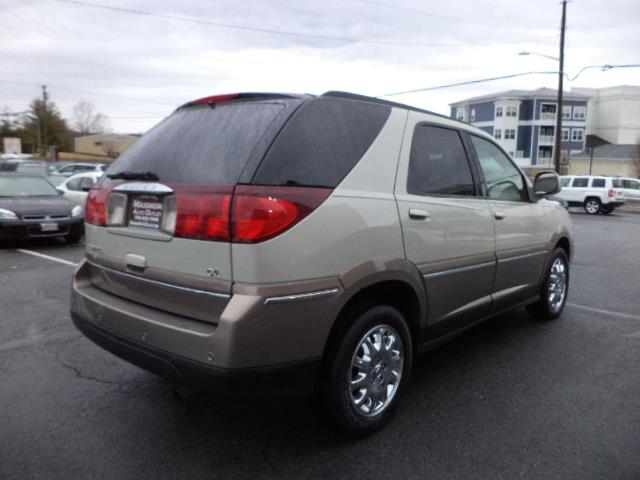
x=146 y=211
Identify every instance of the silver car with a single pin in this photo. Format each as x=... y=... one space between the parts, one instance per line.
x=272 y=244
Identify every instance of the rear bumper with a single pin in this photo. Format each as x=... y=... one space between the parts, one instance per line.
x=613 y=204
x=22 y=230
x=294 y=378
x=258 y=344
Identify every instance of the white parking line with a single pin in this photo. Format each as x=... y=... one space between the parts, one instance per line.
x=604 y=312
x=48 y=257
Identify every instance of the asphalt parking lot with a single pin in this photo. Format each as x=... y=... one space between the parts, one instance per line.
x=513 y=398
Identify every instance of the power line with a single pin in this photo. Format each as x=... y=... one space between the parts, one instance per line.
x=469 y=82
x=280 y=32
x=436 y=15
x=86 y=92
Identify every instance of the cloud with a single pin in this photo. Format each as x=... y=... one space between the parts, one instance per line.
x=137 y=68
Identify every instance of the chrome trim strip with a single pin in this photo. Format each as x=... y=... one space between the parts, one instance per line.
x=161 y=284
x=451 y=271
x=301 y=296
x=522 y=257
x=143 y=187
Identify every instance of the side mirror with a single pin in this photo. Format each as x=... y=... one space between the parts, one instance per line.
x=60 y=192
x=546 y=183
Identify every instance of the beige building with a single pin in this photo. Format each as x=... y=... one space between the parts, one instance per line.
x=613 y=113
x=611 y=160
x=110 y=144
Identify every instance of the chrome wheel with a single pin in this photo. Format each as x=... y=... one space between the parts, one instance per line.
x=592 y=206
x=376 y=370
x=557 y=286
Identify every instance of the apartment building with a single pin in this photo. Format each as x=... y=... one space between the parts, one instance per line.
x=524 y=122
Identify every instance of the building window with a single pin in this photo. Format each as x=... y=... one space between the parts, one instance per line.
x=473 y=115
x=497 y=133
x=498 y=111
x=579 y=113
x=512 y=111
x=577 y=135
x=566 y=112
x=520 y=154
x=509 y=134
x=460 y=114
x=548 y=108
x=565 y=134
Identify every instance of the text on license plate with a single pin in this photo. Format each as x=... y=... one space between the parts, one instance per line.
x=49 y=227
x=146 y=211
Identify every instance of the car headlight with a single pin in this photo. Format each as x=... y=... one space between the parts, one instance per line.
x=7 y=215
x=76 y=211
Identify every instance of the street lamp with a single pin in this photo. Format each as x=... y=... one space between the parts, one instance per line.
x=540 y=55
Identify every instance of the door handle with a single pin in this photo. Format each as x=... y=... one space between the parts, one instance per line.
x=498 y=215
x=418 y=214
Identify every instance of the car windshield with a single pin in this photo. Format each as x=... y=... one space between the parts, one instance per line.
x=25 y=187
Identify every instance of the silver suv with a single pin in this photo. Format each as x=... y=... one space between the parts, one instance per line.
x=281 y=244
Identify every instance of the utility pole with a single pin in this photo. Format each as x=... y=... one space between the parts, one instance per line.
x=558 y=138
x=45 y=98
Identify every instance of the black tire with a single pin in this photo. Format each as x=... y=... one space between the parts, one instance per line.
x=544 y=309
x=592 y=205
x=336 y=386
x=607 y=210
x=73 y=237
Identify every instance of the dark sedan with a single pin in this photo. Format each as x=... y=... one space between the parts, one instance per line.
x=30 y=207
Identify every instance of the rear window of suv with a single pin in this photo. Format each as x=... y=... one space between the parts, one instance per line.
x=322 y=142
x=201 y=145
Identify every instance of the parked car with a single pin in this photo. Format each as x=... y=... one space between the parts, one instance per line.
x=631 y=188
x=25 y=165
x=281 y=244
x=30 y=207
x=77 y=167
x=596 y=194
x=76 y=187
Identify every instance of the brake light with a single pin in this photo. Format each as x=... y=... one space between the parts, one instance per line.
x=212 y=99
x=611 y=192
x=246 y=214
x=200 y=212
x=95 y=211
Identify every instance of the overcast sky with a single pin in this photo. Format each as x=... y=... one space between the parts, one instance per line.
x=137 y=67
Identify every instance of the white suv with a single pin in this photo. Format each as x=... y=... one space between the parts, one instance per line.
x=631 y=188
x=596 y=194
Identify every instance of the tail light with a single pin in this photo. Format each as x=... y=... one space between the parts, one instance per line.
x=95 y=211
x=199 y=212
x=246 y=214
x=611 y=192
x=240 y=214
x=260 y=212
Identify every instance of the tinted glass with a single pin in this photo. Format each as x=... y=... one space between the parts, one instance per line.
x=580 y=182
x=438 y=163
x=74 y=184
x=25 y=187
x=564 y=182
x=201 y=144
x=322 y=142
x=504 y=181
x=617 y=183
x=598 y=182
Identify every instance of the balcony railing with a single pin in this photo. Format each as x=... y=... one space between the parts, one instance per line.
x=546 y=139
x=547 y=116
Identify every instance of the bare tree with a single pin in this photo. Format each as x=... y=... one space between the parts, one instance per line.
x=85 y=120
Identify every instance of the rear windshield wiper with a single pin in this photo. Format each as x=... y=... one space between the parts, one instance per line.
x=150 y=176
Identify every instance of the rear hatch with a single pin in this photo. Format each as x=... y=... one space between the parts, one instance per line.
x=158 y=224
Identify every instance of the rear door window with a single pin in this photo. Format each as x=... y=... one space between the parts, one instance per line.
x=598 y=182
x=580 y=182
x=438 y=163
x=321 y=142
x=203 y=144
